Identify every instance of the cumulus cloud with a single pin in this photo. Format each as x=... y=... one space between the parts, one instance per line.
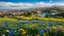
x=11 y=5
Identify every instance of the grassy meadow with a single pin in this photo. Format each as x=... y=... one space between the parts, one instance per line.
x=13 y=27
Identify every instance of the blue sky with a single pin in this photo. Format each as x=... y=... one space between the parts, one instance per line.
x=32 y=1
x=22 y=4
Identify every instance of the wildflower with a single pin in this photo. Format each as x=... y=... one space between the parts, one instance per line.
x=7 y=30
x=62 y=29
x=27 y=35
x=3 y=34
x=12 y=32
x=24 y=32
x=31 y=25
x=53 y=27
x=41 y=31
x=44 y=34
x=15 y=31
x=11 y=25
x=60 y=26
x=4 y=24
x=21 y=29
x=47 y=28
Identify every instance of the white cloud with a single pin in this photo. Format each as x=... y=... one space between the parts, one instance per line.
x=11 y=5
x=50 y=0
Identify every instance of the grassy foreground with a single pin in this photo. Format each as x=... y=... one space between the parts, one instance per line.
x=12 y=27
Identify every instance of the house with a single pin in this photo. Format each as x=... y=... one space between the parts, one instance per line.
x=53 y=12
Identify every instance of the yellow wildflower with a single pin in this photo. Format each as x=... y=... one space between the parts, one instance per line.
x=24 y=32
x=37 y=35
x=61 y=26
x=53 y=27
x=11 y=24
x=44 y=34
x=22 y=29
x=15 y=31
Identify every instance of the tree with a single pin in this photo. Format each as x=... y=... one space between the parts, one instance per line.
x=27 y=13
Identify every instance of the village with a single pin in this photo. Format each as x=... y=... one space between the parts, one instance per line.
x=37 y=12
